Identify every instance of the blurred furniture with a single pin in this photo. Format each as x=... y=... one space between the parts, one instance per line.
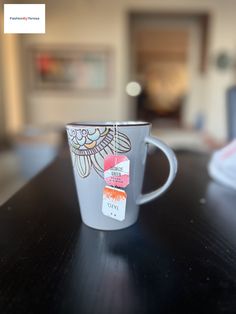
x=36 y=147
x=231 y=112
x=11 y=179
x=147 y=112
x=181 y=138
x=33 y=149
x=179 y=258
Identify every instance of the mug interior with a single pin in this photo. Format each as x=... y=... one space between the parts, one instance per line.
x=110 y=123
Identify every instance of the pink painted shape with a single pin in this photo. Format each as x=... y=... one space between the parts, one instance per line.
x=112 y=160
x=121 y=181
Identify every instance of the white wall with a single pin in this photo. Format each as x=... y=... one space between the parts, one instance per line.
x=104 y=22
x=223 y=38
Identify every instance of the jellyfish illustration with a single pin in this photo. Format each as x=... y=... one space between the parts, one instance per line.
x=90 y=146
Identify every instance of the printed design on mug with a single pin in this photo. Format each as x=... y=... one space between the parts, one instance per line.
x=89 y=147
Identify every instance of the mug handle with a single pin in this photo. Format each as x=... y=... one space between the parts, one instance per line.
x=144 y=198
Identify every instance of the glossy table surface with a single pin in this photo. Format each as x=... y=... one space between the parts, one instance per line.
x=179 y=258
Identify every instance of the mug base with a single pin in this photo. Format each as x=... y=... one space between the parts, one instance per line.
x=103 y=228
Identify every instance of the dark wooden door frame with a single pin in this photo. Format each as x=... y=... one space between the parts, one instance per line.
x=203 y=18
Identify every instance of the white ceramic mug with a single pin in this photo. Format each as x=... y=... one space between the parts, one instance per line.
x=90 y=143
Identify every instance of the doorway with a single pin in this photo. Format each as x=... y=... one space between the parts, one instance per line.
x=168 y=56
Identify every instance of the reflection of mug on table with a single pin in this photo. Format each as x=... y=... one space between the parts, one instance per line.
x=91 y=144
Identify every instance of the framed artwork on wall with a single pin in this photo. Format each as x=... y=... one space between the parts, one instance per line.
x=62 y=68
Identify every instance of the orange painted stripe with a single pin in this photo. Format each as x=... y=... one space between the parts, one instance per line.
x=114 y=194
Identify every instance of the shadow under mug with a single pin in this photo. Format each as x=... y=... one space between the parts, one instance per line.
x=90 y=143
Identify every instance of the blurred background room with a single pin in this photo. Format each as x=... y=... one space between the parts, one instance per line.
x=169 y=62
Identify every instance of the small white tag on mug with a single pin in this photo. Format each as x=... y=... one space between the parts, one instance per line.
x=116 y=170
x=114 y=203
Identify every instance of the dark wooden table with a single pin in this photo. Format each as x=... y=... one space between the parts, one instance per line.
x=179 y=258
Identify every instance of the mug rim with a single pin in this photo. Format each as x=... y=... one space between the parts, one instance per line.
x=109 y=124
